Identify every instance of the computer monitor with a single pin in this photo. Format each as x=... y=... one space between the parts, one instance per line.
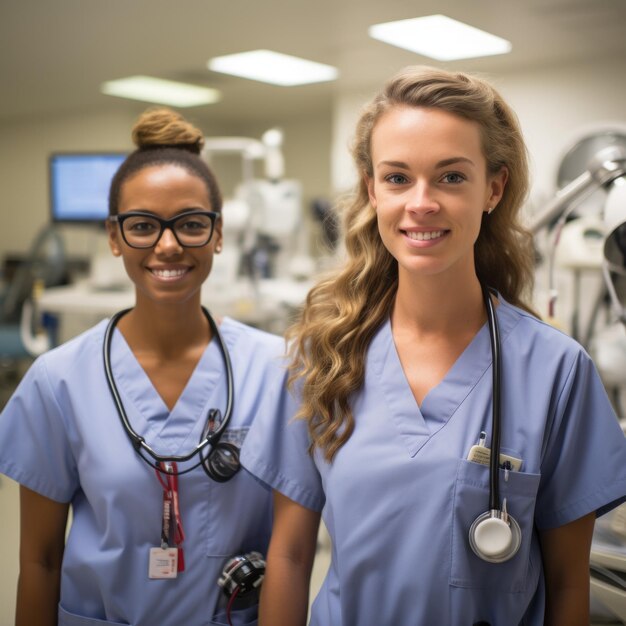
x=79 y=186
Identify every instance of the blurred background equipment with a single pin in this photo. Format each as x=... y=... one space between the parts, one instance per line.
x=25 y=331
x=586 y=238
x=265 y=267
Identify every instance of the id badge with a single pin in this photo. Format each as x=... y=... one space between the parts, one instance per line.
x=163 y=563
x=481 y=454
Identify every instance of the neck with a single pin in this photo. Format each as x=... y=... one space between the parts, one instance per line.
x=165 y=329
x=428 y=306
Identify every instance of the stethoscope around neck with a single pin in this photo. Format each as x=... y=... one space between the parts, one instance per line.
x=495 y=536
x=222 y=461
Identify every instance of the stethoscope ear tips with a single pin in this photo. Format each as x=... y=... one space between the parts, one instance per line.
x=495 y=537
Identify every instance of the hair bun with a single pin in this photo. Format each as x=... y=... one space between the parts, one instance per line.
x=161 y=127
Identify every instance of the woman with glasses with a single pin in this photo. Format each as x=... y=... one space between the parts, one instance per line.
x=148 y=541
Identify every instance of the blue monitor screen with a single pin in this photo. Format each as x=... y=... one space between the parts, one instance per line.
x=79 y=186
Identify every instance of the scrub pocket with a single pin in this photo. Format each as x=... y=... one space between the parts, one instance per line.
x=235 y=516
x=471 y=499
x=242 y=617
x=70 y=619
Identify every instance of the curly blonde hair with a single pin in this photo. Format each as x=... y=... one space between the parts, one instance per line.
x=329 y=341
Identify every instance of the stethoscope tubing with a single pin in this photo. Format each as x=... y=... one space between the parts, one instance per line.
x=496 y=419
x=139 y=442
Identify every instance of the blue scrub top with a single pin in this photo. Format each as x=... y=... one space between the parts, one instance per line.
x=400 y=496
x=60 y=435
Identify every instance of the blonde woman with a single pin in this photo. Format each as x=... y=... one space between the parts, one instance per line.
x=412 y=362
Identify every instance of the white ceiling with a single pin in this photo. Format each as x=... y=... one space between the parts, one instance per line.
x=54 y=54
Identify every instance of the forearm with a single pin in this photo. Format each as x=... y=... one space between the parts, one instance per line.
x=285 y=590
x=38 y=591
x=42 y=543
x=285 y=593
x=565 y=551
x=568 y=607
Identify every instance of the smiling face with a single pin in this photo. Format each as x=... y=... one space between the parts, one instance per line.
x=430 y=188
x=166 y=272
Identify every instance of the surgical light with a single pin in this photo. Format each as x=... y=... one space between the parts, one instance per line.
x=273 y=138
x=603 y=170
x=149 y=89
x=273 y=67
x=440 y=37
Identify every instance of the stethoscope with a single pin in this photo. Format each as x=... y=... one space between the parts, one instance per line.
x=495 y=536
x=222 y=462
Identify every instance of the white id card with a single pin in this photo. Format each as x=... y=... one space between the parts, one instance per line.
x=482 y=454
x=163 y=563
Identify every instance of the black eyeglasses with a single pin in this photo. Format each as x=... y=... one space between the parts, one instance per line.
x=143 y=230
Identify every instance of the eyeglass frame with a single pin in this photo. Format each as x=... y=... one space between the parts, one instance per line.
x=119 y=219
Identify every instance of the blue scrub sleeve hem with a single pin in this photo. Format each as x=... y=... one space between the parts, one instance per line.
x=34 y=483
x=601 y=501
x=271 y=477
x=257 y=480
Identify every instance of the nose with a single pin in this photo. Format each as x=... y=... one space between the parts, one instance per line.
x=421 y=198
x=167 y=243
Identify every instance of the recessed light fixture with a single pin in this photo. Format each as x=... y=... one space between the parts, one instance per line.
x=273 y=67
x=161 y=91
x=440 y=37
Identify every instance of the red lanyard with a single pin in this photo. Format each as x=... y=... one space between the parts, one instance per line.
x=171 y=511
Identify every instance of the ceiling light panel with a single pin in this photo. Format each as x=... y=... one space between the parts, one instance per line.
x=148 y=89
x=440 y=37
x=273 y=67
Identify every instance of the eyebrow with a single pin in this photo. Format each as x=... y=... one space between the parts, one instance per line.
x=181 y=212
x=452 y=160
x=439 y=164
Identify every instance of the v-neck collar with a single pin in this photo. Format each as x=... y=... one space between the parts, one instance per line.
x=416 y=424
x=178 y=429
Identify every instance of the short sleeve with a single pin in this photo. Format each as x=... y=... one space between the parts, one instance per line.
x=276 y=450
x=584 y=463
x=34 y=446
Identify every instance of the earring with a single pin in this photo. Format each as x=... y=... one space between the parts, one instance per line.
x=218 y=248
x=490 y=210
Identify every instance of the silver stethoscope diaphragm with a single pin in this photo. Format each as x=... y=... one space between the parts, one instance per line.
x=495 y=536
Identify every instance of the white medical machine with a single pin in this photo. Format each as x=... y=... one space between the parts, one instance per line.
x=265 y=215
x=265 y=260
x=588 y=231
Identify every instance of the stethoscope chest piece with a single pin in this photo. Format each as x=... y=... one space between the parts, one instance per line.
x=495 y=536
